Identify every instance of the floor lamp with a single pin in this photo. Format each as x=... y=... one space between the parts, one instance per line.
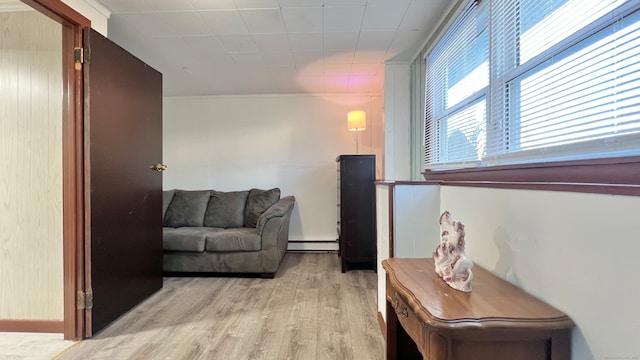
x=356 y=121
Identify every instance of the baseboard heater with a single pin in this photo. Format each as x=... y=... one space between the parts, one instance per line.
x=313 y=245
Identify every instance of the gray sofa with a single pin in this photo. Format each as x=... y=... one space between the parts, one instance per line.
x=208 y=231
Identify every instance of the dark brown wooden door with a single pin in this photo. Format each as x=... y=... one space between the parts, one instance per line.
x=123 y=138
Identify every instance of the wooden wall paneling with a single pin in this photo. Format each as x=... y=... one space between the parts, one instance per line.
x=71 y=103
x=31 y=181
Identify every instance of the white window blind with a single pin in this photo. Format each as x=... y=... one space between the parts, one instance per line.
x=456 y=86
x=564 y=83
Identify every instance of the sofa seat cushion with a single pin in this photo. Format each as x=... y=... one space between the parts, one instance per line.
x=235 y=239
x=190 y=239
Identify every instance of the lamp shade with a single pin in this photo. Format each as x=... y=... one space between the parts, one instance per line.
x=356 y=120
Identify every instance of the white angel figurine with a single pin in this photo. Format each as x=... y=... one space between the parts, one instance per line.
x=451 y=263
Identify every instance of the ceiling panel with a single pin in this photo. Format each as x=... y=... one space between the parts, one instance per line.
x=224 y=22
x=271 y=42
x=170 y=5
x=300 y=3
x=257 y=4
x=421 y=13
x=263 y=21
x=278 y=58
x=247 y=58
x=375 y=40
x=365 y=69
x=341 y=40
x=306 y=41
x=308 y=58
x=383 y=17
x=237 y=43
x=120 y=6
x=277 y=46
x=302 y=20
x=185 y=23
x=211 y=5
x=343 y=18
x=345 y=2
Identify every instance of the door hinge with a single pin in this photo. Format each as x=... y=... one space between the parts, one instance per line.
x=85 y=300
x=78 y=54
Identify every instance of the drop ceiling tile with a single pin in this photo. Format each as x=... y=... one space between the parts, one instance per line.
x=263 y=21
x=170 y=5
x=186 y=23
x=257 y=4
x=224 y=22
x=338 y=57
x=375 y=40
x=302 y=20
x=401 y=3
x=209 y=49
x=143 y=24
x=336 y=83
x=308 y=59
x=365 y=69
x=213 y=5
x=300 y=3
x=277 y=58
x=247 y=58
x=383 y=17
x=237 y=43
x=341 y=40
x=171 y=49
x=344 y=2
x=360 y=83
x=306 y=41
x=343 y=18
x=369 y=57
x=342 y=70
x=122 y=6
x=405 y=45
x=271 y=42
x=424 y=15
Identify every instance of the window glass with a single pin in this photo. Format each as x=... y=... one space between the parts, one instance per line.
x=547 y=80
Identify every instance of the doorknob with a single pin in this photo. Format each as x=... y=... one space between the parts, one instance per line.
x=158 y=167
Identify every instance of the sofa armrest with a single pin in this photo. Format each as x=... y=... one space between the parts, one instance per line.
x=273 y=229
x=281 y=209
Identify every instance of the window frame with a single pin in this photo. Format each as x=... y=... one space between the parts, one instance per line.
x=619 y=175
x=614 y=176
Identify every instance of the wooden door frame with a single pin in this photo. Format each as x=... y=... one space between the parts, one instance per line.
x=73 y=205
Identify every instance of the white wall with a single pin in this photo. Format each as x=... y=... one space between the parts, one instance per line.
x=578 y=252
x=263 y=141
x=397 y=122
x=383 y=192
x=416 y=232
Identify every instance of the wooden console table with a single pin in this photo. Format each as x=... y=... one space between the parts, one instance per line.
x=426 y=319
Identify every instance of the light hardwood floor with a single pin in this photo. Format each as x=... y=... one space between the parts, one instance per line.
x=309 y=311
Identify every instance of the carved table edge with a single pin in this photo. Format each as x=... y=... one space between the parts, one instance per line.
x=556 y=323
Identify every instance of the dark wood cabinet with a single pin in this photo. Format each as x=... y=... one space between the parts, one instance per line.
x=357 y=211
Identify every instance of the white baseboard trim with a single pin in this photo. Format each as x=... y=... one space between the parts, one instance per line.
x=309 y=245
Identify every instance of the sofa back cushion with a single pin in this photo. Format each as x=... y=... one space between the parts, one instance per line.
x=258 y=202
x=226 y=209
x=187 y=208
x=167 y=196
